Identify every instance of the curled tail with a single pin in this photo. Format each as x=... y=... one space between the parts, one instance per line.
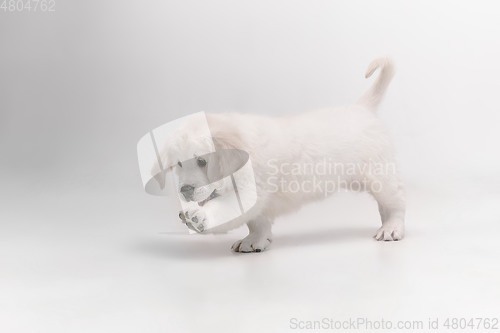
x=373 y=96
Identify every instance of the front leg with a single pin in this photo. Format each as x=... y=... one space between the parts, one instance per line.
x=259 y=238
x=194 y=218
x=211 y=217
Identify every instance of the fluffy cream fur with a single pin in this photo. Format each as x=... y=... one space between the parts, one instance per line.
x=350 y=135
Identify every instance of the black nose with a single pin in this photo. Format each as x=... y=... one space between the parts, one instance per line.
x=187 y=191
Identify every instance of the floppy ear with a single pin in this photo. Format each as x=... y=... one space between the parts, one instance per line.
x=215 y=168
x=164 y=163
x=227 y=157
x=158 y=174
x=227 y=139
x=160 y=179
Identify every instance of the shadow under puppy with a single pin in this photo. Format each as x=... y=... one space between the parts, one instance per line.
x=285 y=150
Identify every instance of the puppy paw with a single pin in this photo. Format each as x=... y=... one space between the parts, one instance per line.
x=195 y=219
x=390 y=231
x=252 y=243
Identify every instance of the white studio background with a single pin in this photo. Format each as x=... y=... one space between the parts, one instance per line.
x=79 y=87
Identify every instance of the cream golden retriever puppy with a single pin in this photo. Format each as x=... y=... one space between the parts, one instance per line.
x=296 y=159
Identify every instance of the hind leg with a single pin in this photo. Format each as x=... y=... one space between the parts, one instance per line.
x=391 y=204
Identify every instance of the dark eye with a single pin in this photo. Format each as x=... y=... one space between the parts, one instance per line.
x=201 y=162
x=179 y=164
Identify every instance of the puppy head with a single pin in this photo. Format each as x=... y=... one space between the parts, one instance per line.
x=194 y=168
x=201 y=172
